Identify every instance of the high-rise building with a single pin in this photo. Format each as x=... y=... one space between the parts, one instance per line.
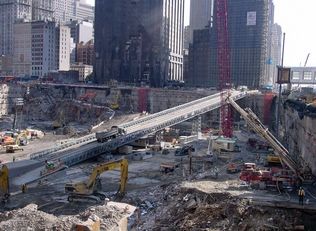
x=22 y=49
x=44 y=48
x=249 y=26
x=64 y=11
x=50 y=47
x=42 y=10
x=139 y=41
x=186 y=37
x=276 y=48
x=84 y=32
x=202 y=59
x=63 y=47
x=81 y=32
x=10 y=11
x=201 y=14
x=84 y=10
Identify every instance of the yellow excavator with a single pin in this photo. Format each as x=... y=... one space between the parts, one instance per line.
x=91 y=190
x=4 y=184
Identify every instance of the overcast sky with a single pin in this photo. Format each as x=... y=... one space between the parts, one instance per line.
x=296 y=18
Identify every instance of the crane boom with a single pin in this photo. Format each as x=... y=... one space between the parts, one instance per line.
x=254 y=122
x=223 y=62
x=306 y=59
x=4 y=183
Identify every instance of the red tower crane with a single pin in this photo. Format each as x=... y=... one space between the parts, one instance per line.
x=223 y=62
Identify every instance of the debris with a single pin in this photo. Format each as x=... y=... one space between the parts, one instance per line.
x=180 y=208
x=105 y=216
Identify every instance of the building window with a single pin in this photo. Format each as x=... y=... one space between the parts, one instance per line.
x=296 y=75
x=307 y=75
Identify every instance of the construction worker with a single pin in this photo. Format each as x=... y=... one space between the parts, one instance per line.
x=301 y=195
x=24 y=188
x=258 y=158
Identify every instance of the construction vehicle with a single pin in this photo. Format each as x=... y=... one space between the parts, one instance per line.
x=233 y=168
x=12 y=148
x=302 y=172
x=52 y=167
x=4 y=184
x=167 y=167
x=88 y=96
x=273 y=159
x=115 y=104
x=184 y=151
x=235 y=165
x=221 y=144
x=20 y=140
x=104 y=136
x=91 y=189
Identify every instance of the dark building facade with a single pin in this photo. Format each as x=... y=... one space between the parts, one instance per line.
x=249 y=24
x=202 y=59
x=85 y=53
x=139 y=41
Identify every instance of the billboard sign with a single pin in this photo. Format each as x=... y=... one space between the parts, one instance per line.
x=284 y=75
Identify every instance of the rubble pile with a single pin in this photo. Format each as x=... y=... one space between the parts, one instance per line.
x=30 y=218
x=174 y=207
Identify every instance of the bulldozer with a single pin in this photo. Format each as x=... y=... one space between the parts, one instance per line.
x=91 y=190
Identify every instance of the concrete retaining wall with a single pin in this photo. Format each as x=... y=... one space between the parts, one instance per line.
x=300 y=134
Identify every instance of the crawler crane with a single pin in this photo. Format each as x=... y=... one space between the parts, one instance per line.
x=302 y=172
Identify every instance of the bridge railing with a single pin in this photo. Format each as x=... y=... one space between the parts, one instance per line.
x=152 y=116
x=99 y=148
x=59 y=147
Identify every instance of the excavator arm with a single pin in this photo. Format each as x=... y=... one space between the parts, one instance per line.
x=122 y=164
x=254 y=122
x=4 y=183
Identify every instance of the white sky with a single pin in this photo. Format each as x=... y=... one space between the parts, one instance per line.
x=296 y=18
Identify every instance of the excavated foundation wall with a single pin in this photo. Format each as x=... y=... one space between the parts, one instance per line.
x=299 y=131
x=45 y=101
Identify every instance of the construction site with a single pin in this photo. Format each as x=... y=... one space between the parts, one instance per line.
x=122 y=157
x=83 y=158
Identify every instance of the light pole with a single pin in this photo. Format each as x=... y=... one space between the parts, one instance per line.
x=280 y=91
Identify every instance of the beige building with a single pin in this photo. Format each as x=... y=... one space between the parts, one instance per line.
x=63 y=48
x=84 y=10
x=84 y=70
x=40 y=47
x=22 y=49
